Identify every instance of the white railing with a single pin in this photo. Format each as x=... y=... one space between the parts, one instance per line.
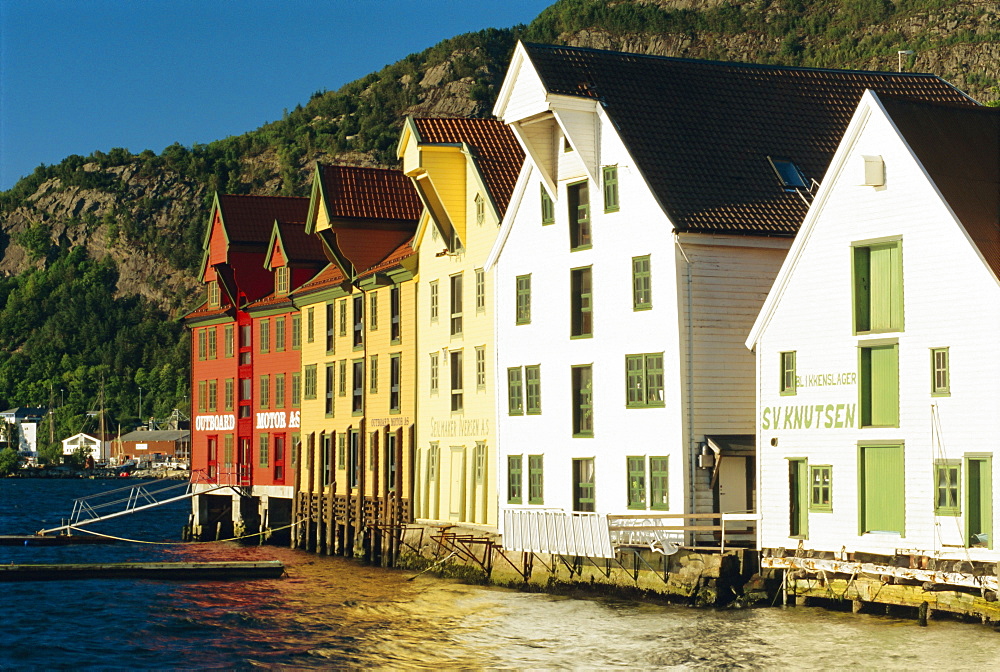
x=557 y=532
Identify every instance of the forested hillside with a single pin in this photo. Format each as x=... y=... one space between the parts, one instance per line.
x=98 y=253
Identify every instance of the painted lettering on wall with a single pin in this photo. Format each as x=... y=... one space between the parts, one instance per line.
x=471 y=427
x=819 y=379
x=278 y=420
x=809 y=416
x=392 y=421
x=215 y=423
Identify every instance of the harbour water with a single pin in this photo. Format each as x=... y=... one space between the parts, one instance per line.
x=334 y=613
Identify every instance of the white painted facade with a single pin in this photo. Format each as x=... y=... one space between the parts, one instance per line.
x=948 y=292
x=96 y=448
x=706 y=292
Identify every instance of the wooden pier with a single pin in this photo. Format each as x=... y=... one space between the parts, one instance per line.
x=174 y=571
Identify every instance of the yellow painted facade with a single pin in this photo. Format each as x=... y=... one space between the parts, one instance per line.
x=455 y=468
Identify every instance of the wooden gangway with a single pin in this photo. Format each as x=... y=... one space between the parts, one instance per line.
x=131 y=499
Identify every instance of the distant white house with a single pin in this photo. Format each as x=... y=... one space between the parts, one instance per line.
x=876 y=348
x=24 y=434
x=98 y=449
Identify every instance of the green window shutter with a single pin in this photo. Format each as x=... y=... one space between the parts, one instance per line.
x=642 y=293
x=523 y=299
x=535 y=482
x=579 y=216
x=581 y=306
x=514 y=396
x=583 y=401
x=862 y=289
x=610 y=188
x=885 y=386
x=979 y=501
x=636 y=482
x=878 y=287
x=533 y=389
x=584 y=487
x=548 y=210
x=658 y=483
x=882 y=489
x=514 y=479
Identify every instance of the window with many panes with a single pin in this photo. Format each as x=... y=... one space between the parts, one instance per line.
x=203 y=344
x=282 y=278
x=515 y=478
x=213 y=294
x=279 y=334
x=581 y=303
x=947 y=487
x=434 y=301
x=642 y=284
x=213 y=347
x=263 y=451
x=515 y=393
x=584 y=486
x=480 y=290
x=328 y=383
x=636 y=466
x=296 y=389
x=373 y=311
x=342 y=451
x=230 y=394
x=878 y=287
x=610 y=174
x=579 y=216
x=456 y=304
x=342 y=389
x=373 y=374
x=279 y=390
x=310 y=383
x=265 y=335
x=583 y=401
x=296 y=331
x=358 y=389
x=457 y=377
x=535 y=479
x=229 y=343
x=395 y=315
x=548 y=208
x=265 y=391
x=788 y=383
x=820 y=487
x=480 y=368
x=213 y=395
x=523 y=299
x=940 y=377
x=331 y=341
x=658 y=483
x=359 y=321
x=310 y=324
x=202 y=396
x=878 y=386
x=343 y=317
x=533 y=390
x=395 y=383
x=644 y=378
x=434 y=372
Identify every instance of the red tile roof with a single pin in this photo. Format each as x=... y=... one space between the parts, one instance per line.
x=960 y=149
x=394 y=259
x=369 y=193
x=250 y=219
x=298 y=245
x=495 y=150
x=330 y=276
x=700 y=132
x=203 y=312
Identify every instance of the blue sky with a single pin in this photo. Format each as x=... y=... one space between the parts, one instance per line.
x=82 y=75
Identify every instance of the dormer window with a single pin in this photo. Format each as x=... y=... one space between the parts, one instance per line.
x=213 y=294
x=281 y=280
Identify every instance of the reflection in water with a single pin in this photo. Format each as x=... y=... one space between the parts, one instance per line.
x=330 y=612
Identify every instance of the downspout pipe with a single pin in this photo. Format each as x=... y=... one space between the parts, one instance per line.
x=689 y=376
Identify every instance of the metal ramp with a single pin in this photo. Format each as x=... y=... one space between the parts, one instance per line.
x=130 y=499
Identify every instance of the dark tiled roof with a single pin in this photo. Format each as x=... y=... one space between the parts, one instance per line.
x=298 y=246
x=496 y=150
x=250 y=219
x=959 y=148
x=701 y=131
x=369 y=193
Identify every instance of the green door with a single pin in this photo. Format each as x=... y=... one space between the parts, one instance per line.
x=798 y=499
x=882 y=489
x=979 y=501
